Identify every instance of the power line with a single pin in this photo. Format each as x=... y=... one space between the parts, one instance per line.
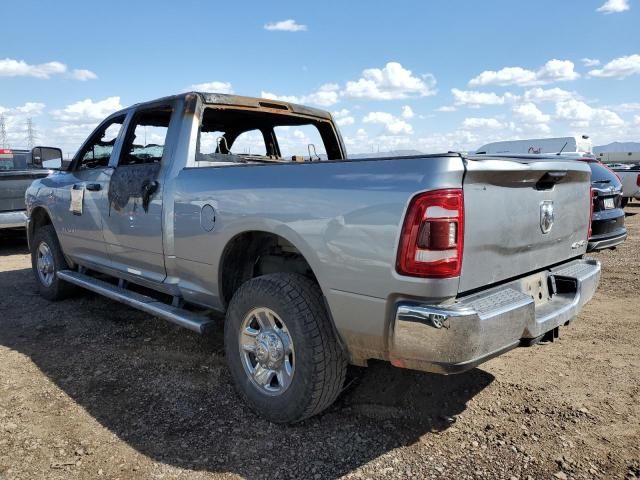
x=31 y=134
x=4 y=141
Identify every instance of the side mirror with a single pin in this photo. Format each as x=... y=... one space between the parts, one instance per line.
x=47 y=157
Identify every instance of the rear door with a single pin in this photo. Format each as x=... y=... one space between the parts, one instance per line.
x=133 y=226
x=522 y=215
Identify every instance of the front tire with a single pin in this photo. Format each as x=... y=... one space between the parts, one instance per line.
x=46 y=261
x=283 y=354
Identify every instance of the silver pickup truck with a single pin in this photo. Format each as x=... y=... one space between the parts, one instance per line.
x=18 y=168
x=202 y=203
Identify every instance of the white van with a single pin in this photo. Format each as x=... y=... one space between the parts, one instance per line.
x=580 y=145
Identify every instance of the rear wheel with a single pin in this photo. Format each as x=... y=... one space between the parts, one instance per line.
x=282 y=352
x=46 y=260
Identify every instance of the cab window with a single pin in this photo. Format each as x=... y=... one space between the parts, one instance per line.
x=98 y=151
x=146 y=137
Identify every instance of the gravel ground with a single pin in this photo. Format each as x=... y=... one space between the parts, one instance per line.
x=92 y=389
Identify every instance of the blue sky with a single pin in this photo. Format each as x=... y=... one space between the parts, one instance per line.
x=426 y=75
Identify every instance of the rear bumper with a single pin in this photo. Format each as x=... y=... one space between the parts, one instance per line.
x=460 y=336
x=603 y=241
x=13 y=219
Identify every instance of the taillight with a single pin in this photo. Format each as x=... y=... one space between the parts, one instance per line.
x=5 y=151
x=592 y=200
x=638 y=180
x=431 y=240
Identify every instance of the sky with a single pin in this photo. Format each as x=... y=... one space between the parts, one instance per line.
x=430 y=75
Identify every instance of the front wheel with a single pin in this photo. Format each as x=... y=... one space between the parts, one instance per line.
x=282 y=351
x=47 y=260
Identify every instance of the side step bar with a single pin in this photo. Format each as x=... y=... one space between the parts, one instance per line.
x=193 y=321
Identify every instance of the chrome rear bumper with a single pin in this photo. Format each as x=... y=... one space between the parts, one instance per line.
x=473 y=329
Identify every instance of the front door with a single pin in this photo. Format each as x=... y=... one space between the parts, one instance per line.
x=133 y=227
x=83 y=192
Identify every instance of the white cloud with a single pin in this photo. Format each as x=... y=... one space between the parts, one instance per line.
x=343 y=117
x=590 y=62
x=289 y=25
x=88 y=111
x=215 y=86
x=582 y=115
x=392 y=124
x=393 y=81
x=636 y=120
x=477 y=123
x=282 y=98
x=475 y=99
x=10 y=67
x=614 y=6
x=619 y=67
x=83 y=75
x=407 y=112
x=19 y=68
x=446 y=108
x=529 y=114
x=548 y=95
x=325 y=96
x=505 y=76
x=627 y=107
x=557 y=71
x=552 y=71
x=29 y=109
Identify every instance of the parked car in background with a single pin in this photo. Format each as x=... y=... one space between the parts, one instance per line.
x=630 y=177
x=18 y=168
x=607 y=219
x=432 y=262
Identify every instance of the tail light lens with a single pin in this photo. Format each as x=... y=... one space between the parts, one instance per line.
x=638 y=180
x=592 y=200
x=431 y=240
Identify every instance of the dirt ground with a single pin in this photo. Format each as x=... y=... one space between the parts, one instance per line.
x=92 y=389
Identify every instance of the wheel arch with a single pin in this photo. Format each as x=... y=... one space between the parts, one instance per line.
x=38 y=217
x=243 y=258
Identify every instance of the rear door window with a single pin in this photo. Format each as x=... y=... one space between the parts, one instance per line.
x=146 y=137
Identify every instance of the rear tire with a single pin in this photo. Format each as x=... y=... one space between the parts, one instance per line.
x=281 y=348
x=46 y=261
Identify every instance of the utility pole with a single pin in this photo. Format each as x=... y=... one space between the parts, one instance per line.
x=4 y=141
x=31 y=134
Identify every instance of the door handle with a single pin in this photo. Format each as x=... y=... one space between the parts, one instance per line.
x=93 y=187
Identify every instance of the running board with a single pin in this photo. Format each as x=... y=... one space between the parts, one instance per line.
x=193 y=321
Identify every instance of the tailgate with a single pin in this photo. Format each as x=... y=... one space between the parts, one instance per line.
x=522 y=215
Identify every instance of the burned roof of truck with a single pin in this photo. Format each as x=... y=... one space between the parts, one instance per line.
x=228 y=100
